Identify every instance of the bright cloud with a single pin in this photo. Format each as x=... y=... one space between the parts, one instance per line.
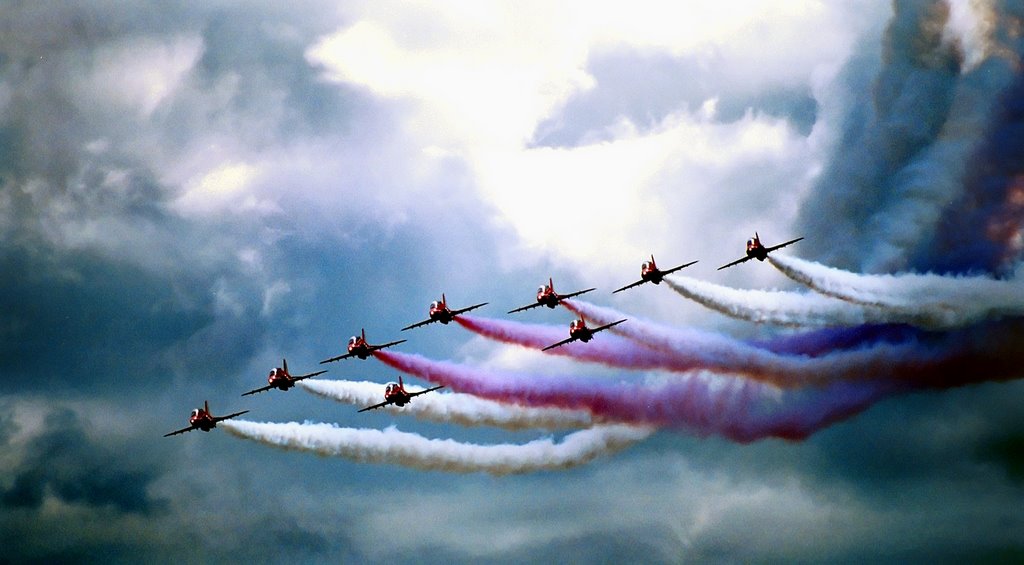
x=478 y=82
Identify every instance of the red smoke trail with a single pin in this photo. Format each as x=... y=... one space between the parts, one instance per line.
x=735 y=408
x=916 y=358
x=686 y=350
x=605 y=347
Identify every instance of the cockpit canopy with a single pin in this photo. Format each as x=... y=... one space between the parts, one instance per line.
x=195 y=413
x=391 y=388
x=646 y=266
x=542 y=289
x=435 y=305
x=352 y=340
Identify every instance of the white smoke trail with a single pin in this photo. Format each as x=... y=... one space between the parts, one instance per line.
x=927 y=300
x=455 y=408
x=783 y=308
x=412 y=450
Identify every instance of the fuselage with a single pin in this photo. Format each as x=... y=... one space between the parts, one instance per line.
x=650 y=272
x=280 y=379
x=395 y=394
x=439 y=311
x=756 y=250
x=357 y=346
x=579 y=330
x=201 y=419
x=547 y=296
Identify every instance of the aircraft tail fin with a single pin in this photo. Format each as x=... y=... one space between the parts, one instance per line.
x=206 y=406
x=284 y=364
x=444 y=300
x=401 y=385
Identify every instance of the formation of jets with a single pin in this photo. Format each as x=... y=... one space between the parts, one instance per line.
x=395 y=393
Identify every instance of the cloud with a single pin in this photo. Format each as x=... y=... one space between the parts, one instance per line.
x=189 y=192
x=65 y=464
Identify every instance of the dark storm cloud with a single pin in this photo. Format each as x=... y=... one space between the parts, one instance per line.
x=900 y=160
x=110 y=282
x=89 y=324
x=64 y=462
x=910 y=101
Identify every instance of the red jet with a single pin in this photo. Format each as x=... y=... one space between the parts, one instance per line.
x=755 y=250
x=546 y=296
x=357 y=347
x=439 y=312
x=202 y=419
x=280 y=378
x=396 y=394
x=578 y=330
x=649 y=272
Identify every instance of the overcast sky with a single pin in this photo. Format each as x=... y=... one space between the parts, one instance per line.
x=191 y=191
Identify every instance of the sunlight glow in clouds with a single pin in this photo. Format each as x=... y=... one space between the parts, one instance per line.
x=479 y=81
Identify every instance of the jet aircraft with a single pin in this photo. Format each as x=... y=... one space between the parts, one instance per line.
x=357 y=347
x=202 y=419
x=649 y=272
x=578 y=330
x=280 y=378
x=395 y=393
x=755 y=250
x=546 y=296
x=439 y=312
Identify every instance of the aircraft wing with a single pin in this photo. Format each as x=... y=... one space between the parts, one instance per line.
x=630 y=285
x=674 y=269
x=572 y=294
x=781 y=245
x=561 y=343
x=412 y=394
x=255 y=390
x=736 y=262
x=527 y=307
x=382 y=346
x=338 y=358
x=375 y=406
x=228 y=417
x=418 y=324
x=606 y=326
x=181 y=431
x=300 y=377
x=468 y=308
